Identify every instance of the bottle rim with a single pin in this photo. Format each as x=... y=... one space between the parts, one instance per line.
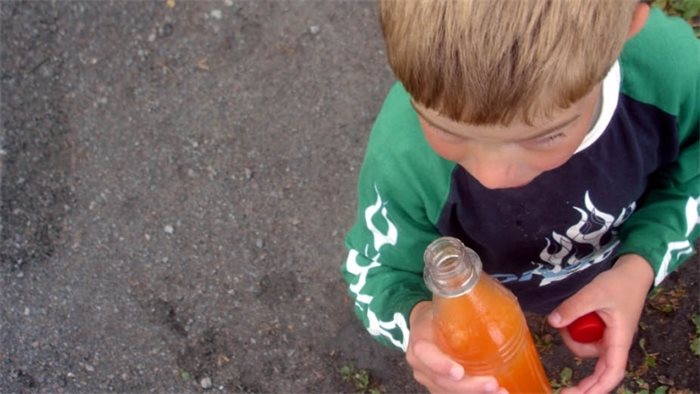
x=442 y=252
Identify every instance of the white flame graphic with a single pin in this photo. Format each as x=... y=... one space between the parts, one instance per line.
x=376 y=327
x=680 y=248
x=563 y=261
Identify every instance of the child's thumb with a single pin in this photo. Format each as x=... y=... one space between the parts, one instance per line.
x=571 y=309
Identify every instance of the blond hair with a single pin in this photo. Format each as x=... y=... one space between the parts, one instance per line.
x=487 y=62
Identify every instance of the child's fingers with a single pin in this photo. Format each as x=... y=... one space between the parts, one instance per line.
x=437 y=362
x=610 y=367
x=439 y=373
x=582 y=350
x=468 y=384
x=424 y=379
x=610 y=370
x=574 y=307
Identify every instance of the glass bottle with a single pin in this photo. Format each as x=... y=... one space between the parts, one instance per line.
x=478 y=322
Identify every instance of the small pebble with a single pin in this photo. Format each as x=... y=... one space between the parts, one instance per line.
x=259 y=243
x=248 y=173
x=205 y=383
x=216 y=14
x=168 y=229
x=166 y=30
x=314 y=29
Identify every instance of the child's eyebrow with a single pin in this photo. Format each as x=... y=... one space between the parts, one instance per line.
x=554 y=128
x=545 y=132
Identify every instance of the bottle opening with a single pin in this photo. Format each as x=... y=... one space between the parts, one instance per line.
x=451 y=269
x=448 y=266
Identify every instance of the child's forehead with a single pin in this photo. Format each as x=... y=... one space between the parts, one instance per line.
x=518 y=129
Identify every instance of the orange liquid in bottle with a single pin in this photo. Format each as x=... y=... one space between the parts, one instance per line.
x=485 y=331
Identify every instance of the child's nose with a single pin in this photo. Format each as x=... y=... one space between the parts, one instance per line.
x=496 y=174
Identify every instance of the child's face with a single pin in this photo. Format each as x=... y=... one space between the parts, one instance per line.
x=511 y=156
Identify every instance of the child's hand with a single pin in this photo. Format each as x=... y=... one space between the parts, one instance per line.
x=433 y=368
x=618 y=296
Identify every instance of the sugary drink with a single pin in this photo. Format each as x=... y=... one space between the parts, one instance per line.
x=478 y=322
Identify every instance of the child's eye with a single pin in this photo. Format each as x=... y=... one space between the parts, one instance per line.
x=548 y=140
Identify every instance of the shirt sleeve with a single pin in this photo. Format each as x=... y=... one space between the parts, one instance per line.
x=385 y=276
x=399 y=194
x=665 y=228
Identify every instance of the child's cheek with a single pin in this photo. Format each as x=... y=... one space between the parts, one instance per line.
x=446 y=150
x=547 y=162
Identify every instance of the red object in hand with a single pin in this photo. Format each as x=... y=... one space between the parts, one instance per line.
x=587 y=328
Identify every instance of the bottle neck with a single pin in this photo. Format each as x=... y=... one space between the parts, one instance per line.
x=451 y=269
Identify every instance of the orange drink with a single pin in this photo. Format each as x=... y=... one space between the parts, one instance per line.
x=478 y=322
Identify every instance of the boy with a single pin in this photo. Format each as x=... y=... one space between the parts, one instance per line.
x=557 y=139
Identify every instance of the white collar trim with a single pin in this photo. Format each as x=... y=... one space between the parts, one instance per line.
x=610 y=95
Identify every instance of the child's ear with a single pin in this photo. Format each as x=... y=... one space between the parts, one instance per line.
x=639 y=18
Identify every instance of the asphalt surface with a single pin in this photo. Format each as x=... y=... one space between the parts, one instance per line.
x=177 y=178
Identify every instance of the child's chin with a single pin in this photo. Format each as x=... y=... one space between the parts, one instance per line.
x=513 y=185
x=522 y=184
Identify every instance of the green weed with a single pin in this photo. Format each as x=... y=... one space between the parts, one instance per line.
x=695 y=340
x=667 y=301
x=565 y=380
x=658 y=390
x=184 y=375
x=543 y=343
x=359 y=379
x=649 y=361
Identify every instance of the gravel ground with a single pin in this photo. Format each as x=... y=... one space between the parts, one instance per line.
x=177 y=177
x=176 y=185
